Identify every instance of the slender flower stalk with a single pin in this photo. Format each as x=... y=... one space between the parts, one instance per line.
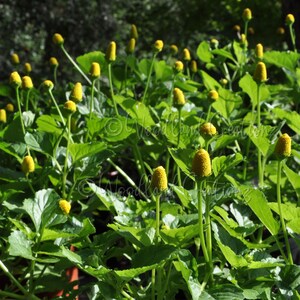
x=213 y=96
x=290 y=20
x=247 y=16
x=54 y=66
x=27 y=86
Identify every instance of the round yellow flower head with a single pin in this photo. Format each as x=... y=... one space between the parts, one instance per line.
x=28 y=165
x=280 y=31
x=251 y=30
x=158 y=45
x=70 y=106
x=174 y=49
x=159 y=180
x=247 y=15
x=243 y=40
x=223 y=81
x=48 y=84
x=178 y=97
x=283 y=146
x=2 y=116
x=65 y=206
x=76 y=93
x=186 y=54
x=111 y=52
x=259 y=51
x=133 y=32
x=27 y=83
x=208 y=130
x=27 y=68
x=15 y=59
x=236 y=28
x=214 y=43
x=260 y=74
x=201 y=165
x=95 y=70
x=290 y=19
x=213 y=95
x=130 y=46
x=178 y=66
x=53 y=62
x=58 y=39
x=15 y=79
x=194 y=67
x=9 y=107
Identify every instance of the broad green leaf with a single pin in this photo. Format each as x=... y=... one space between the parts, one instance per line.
x=222 y=164
x=6 y=90
x=282 y=59
x=182 y=194
x=162 y=70
x=293 y=178
x=20 y=245
x=137 y=111
x=7 y=147
x=292 y=118
x=13 y=131
x=224 y=53
x=222 y=141
x=185 y=86
x=129 y=274
x=85 y=61
x=209 y=82
x=249 y=86
x=289 y=210
x=80 y=151
x=204 y=53
x=71 y=256
x=48 y=124
x=226 y=292
x=40 y=141
x=257 y=201
x=144 y=67
x=51 y=234
x=239 y=52
x=290 y=276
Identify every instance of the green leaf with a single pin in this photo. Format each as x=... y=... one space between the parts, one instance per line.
x=48 y=124
x=293 y=178
x=222 y=141
x=162 y=70
x=80 y=151
x=71 y=256
x=290 y=211
x=50 y=234
x=204 y=53
x=136 y=110
x=224 y=53
x=6 y=90
x=20 y=245
x=40 y=141
x=144 y=67
x=85 y=61
x=222 y=164
x=282 y=59
x=239 y=52
x=292 y=118
x=257 y=201
x=182 y=194
x=226 y=292
x=209 y=82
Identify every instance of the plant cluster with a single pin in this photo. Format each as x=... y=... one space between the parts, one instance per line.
x=164 y=177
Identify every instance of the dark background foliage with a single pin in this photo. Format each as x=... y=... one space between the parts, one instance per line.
x=27 y=26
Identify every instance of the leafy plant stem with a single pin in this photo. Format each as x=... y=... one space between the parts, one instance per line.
x=17 y=283
x=29 y=184
x=11 y=295
x=179 y=127
x=278 y=190
x=149 y=77
x=208 y=113
x=55 y=75
x=293 y=37
x=111 y=89
x=57 y=107
x=92 y=99
x=259 y=157
x=200 y=220
x=246 y=29
x=126 y=295
x=153 y=284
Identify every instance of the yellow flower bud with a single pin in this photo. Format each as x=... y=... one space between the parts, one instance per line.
x=130 y=46
x=194 y=67
x=283 y=146
x=48 y=84
x=174 y=49
x=57 y=39
x=214 y=43
x=236 y=28
x=15 y=79
x=76 y=93
x=243 y=40
x=213 y=95
x=290 y=19
x=133 y=32
x=65 y=206
x=53 y=62
x=186 y=54
x=158 y=45
x=111 y=52
x=178 y=66
x=9 y=107
x=259 y=51
x=247 y=15
x=251 y=30
x=223 y=81
x=260 y=74
x=27 y=68
x=27 y=83
x=28 y=165
x=95 y=70
x=280 y=31
x=15 y=59
x=70 y=106
x=201 y=165
x=2 y=116
x=159 y=180
x=208 y=130
x=178 y=97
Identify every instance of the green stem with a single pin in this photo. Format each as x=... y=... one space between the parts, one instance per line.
x=111 y=89
x=92 y=99
x=208 y=113
x=153 y=284
x=259 y=157
x=149 y=77
x=140 y=163
x=179 y=126
x=286 y=239
x=27 y=100
x=126 y=295
x=200 y=220
x=57 y=107
x=157 y=220
x=293 y=39
x=65 y=170
x=30 y=185
x=246 y=29
x=55 y=75
x=11 y=295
